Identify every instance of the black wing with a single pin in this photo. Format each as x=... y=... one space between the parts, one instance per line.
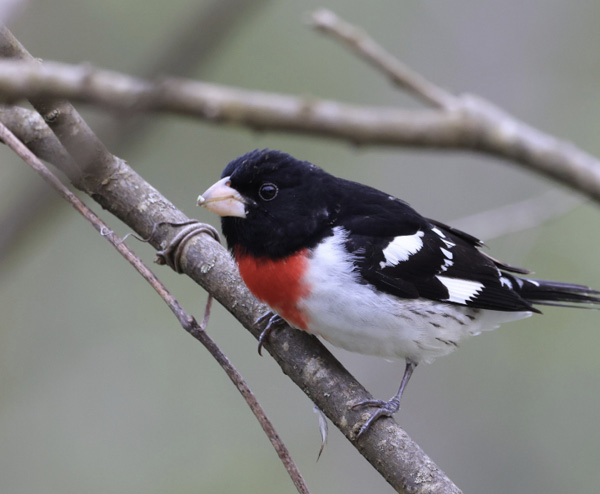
x=407 y=255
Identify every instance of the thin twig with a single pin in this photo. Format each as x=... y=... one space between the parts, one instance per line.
x=186 y=321
x=368 y=49
x=517 y=216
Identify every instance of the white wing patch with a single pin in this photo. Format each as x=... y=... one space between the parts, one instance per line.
x=447 y=264
x=460 y=291
x=440 y=234
x=401 y=248
x=504 y=281
x=448 y=256
x=447 y=253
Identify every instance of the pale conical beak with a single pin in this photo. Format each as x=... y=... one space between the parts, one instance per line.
x=220 y=198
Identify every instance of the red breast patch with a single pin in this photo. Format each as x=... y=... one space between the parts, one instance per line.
x=277 y=283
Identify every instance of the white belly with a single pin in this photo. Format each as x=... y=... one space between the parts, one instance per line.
x=355 y=317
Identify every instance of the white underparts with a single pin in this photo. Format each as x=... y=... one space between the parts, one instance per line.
x=356 y=317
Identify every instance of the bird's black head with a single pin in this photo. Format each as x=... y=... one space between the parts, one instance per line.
x=272 y=204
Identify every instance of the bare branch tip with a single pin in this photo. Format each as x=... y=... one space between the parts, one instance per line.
x=323 y=429
x=206 y=316
x=323 y=18
x=131 y=234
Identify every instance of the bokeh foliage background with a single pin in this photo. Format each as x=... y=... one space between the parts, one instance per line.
x=101 y=391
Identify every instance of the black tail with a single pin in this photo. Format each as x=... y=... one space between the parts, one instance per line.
x=559 y=294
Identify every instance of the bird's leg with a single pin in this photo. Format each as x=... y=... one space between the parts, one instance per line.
x=386 y=408
x=275 y=320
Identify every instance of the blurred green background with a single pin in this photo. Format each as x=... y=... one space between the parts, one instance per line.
x=102 y=391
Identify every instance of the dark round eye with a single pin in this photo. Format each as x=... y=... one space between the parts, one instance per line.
x=268 y=191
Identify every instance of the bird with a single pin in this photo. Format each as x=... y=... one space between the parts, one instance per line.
x=363 y=270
